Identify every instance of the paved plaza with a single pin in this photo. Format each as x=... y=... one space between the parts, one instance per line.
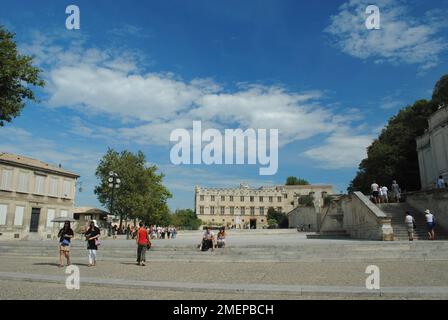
x=256 y=264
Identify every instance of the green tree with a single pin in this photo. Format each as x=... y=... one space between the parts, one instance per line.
x=440 y=93
x=393 y=155
x=306 y=200
x=187 y=219
x=141 y=194
x=279 y=217
x=293 y=181
x=17 y=74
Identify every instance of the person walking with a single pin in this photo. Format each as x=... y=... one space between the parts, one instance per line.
x=396 y=191
x=410 y=225
x=384 y=196
x=169 y=232
x=375 y=192
x=92 y=238
x=174 y=233
x=142 y=244
x=65 y=235
x=440 y=183
x=128 y=232
x=430 y=223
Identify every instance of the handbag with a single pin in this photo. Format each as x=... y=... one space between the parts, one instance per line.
x=415 y=226
x=97 y=242
x=65 y=243
x=148 y=246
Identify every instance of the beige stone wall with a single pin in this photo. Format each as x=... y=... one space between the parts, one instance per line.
x=434 y=200
x=432 y=149
x=359 y=217
x=12 y=197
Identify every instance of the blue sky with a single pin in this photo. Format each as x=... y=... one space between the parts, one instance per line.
x=137 y=70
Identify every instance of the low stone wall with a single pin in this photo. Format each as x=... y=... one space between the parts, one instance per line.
x=364 y=220
x=303 y=216
x=359 y=217
x=434 y=200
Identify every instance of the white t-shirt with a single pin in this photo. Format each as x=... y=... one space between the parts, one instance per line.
x=209 y=236
x=384 y=190
x=375 y=187
x=409 y=219
x=429 y=217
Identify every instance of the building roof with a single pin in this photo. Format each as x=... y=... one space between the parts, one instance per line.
x=90 y=210
x=22 y=161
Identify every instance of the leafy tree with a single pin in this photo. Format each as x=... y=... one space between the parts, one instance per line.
x=141 y=194
x=17 y=74
x=272 y=224
x=440 y=93
x=279 y=217
x=327 y=200
x=307 y=200
x=293 y=181
x=186 y=218
x=393 y=155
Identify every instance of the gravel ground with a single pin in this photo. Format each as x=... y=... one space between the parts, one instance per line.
x=395 y=274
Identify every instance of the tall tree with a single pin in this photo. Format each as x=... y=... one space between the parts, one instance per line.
x=141 y=194
x=187 y=219
x=294 y=181
x=393 y=155
x=17 y=74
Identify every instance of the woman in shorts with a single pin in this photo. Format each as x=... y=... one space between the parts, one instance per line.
x=65 y=235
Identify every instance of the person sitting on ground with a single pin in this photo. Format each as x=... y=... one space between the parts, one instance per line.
x=221 y=238
x=207 y=240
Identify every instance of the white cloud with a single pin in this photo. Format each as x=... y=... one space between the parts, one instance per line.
x=147 y=106
x=403 y=38
x=342 y=149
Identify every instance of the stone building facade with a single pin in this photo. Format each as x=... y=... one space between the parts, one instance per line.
x=246 y=207
x=32 y=193
x=432 y=149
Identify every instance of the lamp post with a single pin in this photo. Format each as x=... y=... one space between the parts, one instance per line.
x=114 y=183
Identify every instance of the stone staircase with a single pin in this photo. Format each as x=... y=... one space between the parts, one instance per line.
x=306 y=251
x=396 y=211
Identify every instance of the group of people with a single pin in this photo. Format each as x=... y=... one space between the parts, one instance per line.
x=210 y=242
x=381 y=194
x=142 y=236
x=411 y=225
x=163 y=232
x=91 y=235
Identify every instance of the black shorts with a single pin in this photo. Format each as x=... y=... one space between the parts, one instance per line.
x=375 y=194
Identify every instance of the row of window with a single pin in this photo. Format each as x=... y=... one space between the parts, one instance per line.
x=19 y=213
x=43 y=185
x=242 y=198
x=232 y=211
